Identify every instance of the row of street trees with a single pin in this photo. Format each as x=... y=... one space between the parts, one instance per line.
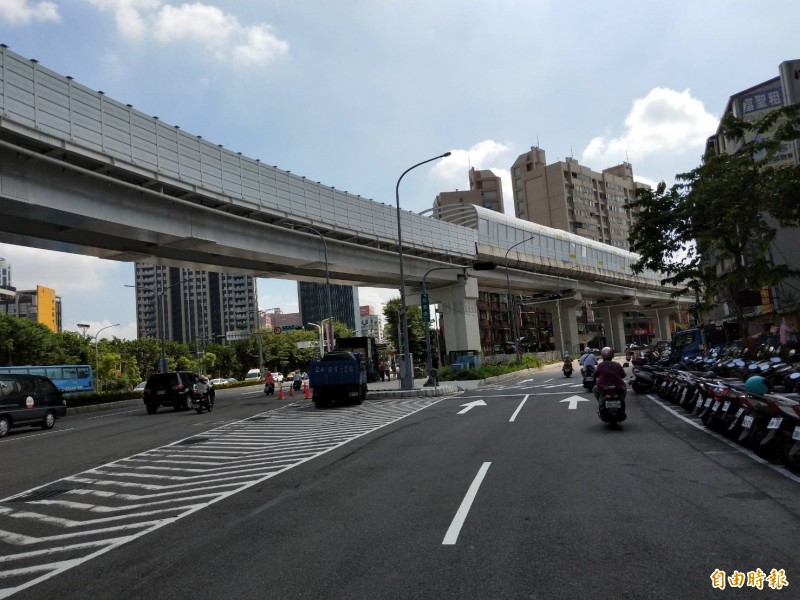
x=712 y=233
x=124 y=363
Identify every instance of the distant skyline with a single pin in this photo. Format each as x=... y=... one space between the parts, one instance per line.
x=351 y=95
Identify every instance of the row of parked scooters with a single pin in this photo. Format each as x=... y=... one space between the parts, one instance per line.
x=754 y=401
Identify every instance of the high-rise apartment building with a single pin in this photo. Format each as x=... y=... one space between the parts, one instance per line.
x=5 y=274
x=41 y=305
x=371 y=323
x=485 y=189
x=188 y=305
x=312 y=299
x=6 y=289
x=568 y=196
x=781 y=302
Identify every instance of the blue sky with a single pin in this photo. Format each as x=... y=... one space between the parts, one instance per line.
x=353 y=92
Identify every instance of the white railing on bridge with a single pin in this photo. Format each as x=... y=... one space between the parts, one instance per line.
x=57 y=111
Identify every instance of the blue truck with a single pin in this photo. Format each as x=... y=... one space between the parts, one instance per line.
x=339 y=377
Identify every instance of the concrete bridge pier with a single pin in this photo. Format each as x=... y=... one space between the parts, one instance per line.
x=459 y=307
x=615 y=328
x=565 y=324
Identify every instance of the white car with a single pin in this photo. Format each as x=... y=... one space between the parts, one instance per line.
x=278 y=377
x=218 y=381
x=140 y=387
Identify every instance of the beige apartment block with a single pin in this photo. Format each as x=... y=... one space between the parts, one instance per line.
x=568 y=196
x=485 y=189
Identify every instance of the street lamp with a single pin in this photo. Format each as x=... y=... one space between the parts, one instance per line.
x=321 y=339
x=327 y=282
x=163 y=362
x=96 y=359
x=406 y=367
x=512 y=314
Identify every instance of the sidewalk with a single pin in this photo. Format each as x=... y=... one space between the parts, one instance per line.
x=391 y=389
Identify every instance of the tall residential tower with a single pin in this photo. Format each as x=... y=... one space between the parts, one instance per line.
x=565 y=195
x=188 y=305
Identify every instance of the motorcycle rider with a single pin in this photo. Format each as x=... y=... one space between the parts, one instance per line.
x=567 y=365
x=297 y=381
x=203 y=388
x=269 y=383
x=587 y=360
x=609 y=373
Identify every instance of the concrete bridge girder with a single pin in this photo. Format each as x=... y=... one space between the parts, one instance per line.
x=69 y=212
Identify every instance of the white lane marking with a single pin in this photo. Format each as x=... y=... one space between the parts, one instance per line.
x=124 y=412
x=786 y=473
x=22 y=438
x=458 y=521
x=519 y=408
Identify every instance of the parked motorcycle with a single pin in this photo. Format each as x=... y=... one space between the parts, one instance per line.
x=567 y=368
x=611 y=405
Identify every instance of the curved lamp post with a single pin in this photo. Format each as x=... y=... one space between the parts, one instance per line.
x=406 y=367
x=321 y=338
x=327 y=282
x=96 y=359
x=512 y=314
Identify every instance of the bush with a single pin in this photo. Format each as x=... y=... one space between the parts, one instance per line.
x=529 y=361
x=75 y=400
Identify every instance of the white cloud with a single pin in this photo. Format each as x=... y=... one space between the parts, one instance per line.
x=123 y=331
x=199 y=26
x=21 y=12
x=376 y=297
x=664 y=122
x=65 y=273
x=453 y=172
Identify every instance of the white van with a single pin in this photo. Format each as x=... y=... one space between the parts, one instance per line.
x=253 y=374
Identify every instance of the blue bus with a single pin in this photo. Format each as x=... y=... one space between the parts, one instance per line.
x=70 y=379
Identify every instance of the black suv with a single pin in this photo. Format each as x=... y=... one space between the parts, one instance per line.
x=169 y=389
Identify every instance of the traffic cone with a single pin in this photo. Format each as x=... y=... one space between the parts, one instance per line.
x=308 y=391
x=291 y=390
x=280 y=391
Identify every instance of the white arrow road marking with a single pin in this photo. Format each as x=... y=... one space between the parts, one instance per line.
x=573 y=401
x=470 y=405
x=455 y=527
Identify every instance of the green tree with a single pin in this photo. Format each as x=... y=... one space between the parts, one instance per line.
x=711 y=233
x=24 y=342
x=416 y=327
x=71 y=348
